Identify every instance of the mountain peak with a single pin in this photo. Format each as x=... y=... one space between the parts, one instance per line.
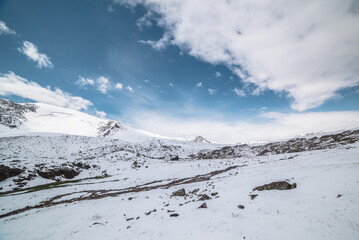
x=12 y=114
x=200 y=139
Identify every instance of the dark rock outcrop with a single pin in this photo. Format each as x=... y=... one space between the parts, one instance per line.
x=7 y=172
x=281 y=185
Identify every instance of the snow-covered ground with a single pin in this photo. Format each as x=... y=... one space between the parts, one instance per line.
x=94 y=185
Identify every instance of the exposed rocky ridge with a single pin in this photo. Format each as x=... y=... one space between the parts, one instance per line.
x=12 y=114
x=110 y=128
x=294 y=145
x=200 y=139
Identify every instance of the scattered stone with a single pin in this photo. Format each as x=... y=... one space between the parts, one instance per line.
x=137 y=218
x=97 y=223
x=170 y=210
x=130 y=198
x=240 y=206
x=204 y=197
x=174 y=215
x=166 y=205
x=281 y=185
x=179 y=193
x=339 y=195
x=194 y=191
x=148 y=213
x=203 y=205
x=129 y=219
x=214 y=194
x=253 y=196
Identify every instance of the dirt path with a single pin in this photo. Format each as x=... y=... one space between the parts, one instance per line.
x=98 y=194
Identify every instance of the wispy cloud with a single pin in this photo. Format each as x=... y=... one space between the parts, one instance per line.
x=199 y=84
x=101 y=114
x=129 y=88
x=212 y=91
x=239 y=92
x=274 y=127
x=119 y=86
x=31 y=51
x=307 y=49
x=218 y=74
x=102 y=84
x=5 y=29
x=83 y=82
x=159 y=44
x=12 y=84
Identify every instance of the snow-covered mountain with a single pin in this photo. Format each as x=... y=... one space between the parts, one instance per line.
x=18 y=119
x=102 y=179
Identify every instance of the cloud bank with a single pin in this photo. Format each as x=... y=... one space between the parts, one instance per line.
x=32 y=52
x=276 y=126
x=12 y=84
x=308 y=49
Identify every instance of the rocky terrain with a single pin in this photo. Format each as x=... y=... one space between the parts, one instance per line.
x=12 y=114
x=120 y=183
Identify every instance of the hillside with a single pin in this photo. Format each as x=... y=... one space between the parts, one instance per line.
x=100 y=179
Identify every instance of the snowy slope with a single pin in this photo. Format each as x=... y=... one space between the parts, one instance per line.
x=68 y=175
x=124 y=190
x=52 y=119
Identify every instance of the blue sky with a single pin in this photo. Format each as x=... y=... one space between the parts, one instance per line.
x=149 y=63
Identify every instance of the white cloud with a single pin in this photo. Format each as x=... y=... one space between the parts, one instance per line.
x=101 y=114
x=199 y=84
x=239 y=92
x=119 y=86
x=308 y=49
x=103 y=84
x=129 y=88
x=276 y=126
x=159 y=44
x=218 y=74
x=12 y=84
x=145 y=21
x=31 y=51
x=5 y=29
x=212 y=91
x=171 y=84
x=83 y=82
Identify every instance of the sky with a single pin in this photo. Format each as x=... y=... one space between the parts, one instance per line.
x=231 y=71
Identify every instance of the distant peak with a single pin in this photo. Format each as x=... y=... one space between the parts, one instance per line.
x=110 y=127
x=200 y=139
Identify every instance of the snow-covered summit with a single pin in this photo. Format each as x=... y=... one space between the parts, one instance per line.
x=18 y=118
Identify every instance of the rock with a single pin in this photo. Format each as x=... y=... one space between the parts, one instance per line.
x=253 y=196
x=214 y=194
x=339 y=195
x=175 y=158
x=240 y=206
x=203 y=205
x=7 y=172
x=281 y=185
x=52 y=173
x=204 y=197
x=179 y=193
x=174 y=215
